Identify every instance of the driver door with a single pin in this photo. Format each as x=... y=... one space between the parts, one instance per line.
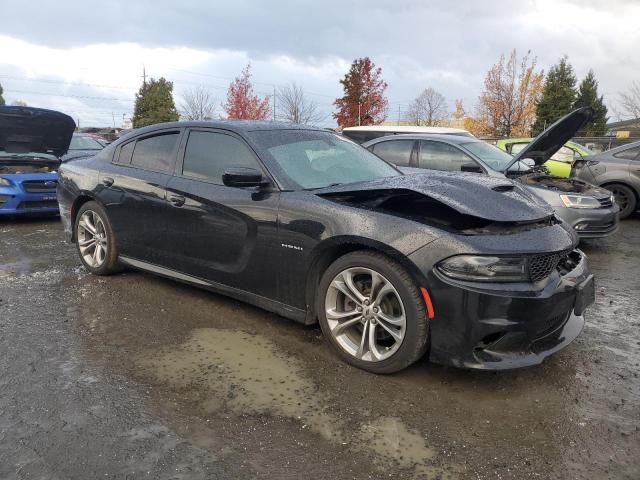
x=226 y=235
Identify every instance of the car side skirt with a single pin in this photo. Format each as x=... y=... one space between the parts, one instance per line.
x=274 y=306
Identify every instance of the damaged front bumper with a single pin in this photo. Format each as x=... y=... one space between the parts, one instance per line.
x=502 y=326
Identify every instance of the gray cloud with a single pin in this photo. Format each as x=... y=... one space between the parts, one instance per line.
x=446 y=45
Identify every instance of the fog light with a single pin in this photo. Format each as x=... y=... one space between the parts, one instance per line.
x=581 y=226
x=4 y=198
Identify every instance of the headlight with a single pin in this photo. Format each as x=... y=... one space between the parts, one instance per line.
x=579 y=201
x=4 y=181
x=485 y=268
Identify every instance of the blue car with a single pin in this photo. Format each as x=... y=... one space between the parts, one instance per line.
x=32 y=141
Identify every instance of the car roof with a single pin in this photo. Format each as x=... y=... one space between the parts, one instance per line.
x=238 y=125
x=453 y=139
x=407 y=129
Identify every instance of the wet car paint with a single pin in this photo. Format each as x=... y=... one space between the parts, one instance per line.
x=261 y=230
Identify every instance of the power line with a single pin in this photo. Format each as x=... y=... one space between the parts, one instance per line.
x=87 y=97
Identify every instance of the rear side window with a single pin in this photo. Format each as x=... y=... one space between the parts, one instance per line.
x=397 y=152
x=125 y=153
x=441 y=156
x=209 y=154
x=155 y=153
x=629 y=154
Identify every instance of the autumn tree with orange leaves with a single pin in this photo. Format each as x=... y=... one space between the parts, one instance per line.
x=363 y=102
x=242 y=102
x=507 y=106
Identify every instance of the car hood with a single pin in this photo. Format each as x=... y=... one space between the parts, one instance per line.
x=545 y=145
x=490 y=198
x=35 y=130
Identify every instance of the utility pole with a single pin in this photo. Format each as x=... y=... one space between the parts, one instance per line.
x=144 y=76
x=398 y=114
x=113 y=117
x=359 y=106
x=274 y=103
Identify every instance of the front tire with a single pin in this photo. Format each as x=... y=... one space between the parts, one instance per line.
x=372 y=313
x=95 y=240
x=625 y=198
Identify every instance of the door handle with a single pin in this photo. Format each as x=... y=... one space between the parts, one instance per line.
x=176 y=200
x=107 y=181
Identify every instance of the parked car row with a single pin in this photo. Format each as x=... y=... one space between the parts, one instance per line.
x=416 y=243
x=33 y=144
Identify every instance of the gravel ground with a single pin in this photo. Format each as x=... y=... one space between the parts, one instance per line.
x=133 y=376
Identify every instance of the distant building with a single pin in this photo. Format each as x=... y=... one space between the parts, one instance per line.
x=624 y=129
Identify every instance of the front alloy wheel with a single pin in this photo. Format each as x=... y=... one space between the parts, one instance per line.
x=365 y=314
x=372 y=312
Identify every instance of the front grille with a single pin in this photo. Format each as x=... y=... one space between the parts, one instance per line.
x=40 y=185
x=541 y=266
x=37 y=204
x=605 y=202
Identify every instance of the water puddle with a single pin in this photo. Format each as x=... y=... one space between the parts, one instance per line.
x=246 y=374
x=390 y=439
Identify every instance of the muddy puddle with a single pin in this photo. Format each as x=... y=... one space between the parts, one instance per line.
x=246 y=374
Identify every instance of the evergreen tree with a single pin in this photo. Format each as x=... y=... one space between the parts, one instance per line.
x=558 y=95
x=154 y=103
x=1 y=97
x=588 y=97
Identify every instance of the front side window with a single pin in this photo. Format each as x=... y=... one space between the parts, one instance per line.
x=316 y=159
x=489 y=154
x=209 y=154
x=397 y=152
x=517 y=147
x=629 y=154
x=565 y=154
x=155 y=153
x=441 y=156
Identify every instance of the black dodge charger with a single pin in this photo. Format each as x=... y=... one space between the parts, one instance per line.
x=303 y=222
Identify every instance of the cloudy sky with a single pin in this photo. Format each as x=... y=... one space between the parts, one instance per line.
x=86 y=58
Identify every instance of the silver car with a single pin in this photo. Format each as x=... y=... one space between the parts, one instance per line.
x=617 y=170
x=590 y=210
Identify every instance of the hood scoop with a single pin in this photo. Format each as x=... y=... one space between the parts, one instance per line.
x=502 y=188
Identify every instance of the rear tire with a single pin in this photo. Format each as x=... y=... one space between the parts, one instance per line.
x=95 y=240
x=625 y=198
x=372 y=312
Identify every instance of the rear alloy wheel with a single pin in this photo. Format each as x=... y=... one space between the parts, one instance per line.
x=95 y=240
x=625 y=198
x=372 y=313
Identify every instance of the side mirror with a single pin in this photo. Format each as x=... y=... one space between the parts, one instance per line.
x=243 y=177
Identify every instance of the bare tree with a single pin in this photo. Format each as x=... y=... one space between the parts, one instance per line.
x=293 y=107
x=198 y=104
x=629 y=102
x=429 y=109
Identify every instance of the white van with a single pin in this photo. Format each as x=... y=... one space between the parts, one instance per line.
x=364 y=134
